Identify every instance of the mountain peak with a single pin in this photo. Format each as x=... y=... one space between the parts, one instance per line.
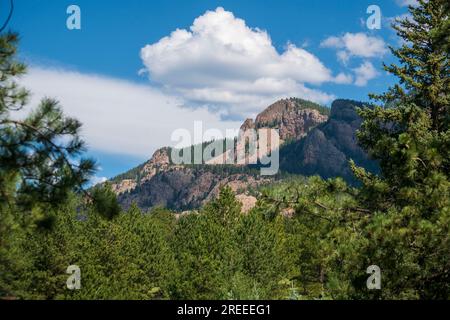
x=293 y=117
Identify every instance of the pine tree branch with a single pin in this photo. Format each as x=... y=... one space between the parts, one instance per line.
x=58 y=148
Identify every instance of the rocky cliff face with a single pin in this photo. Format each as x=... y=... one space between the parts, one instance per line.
x=317 y=142
x=292 y=117
x=184 y=188
x=327 y=149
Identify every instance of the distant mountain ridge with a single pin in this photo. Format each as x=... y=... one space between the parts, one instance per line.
x=315 y=140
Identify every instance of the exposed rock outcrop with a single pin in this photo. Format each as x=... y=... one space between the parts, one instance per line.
x=327 y=149
x=291 y=118
x=248 y=202
x=124 y=186
x=248 y=124
x=186 y=188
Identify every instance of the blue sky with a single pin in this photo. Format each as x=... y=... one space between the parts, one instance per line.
x=106 y=66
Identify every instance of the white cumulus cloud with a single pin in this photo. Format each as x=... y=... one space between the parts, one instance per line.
x=222 y=63
x=356 y=45
x=365 y=72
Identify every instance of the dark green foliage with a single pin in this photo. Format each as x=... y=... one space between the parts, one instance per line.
x=197 y=150
x=226 y=210
x=217 y=253
x=410 y=201
x=305 y=104
x=424 y=62
x=105 y=201
x=41 y=163
x=397 y=219
x=202 y=248
x=132 y=174
x=41 y=153
x=267 y=257
x=224 y=254
x=127 y=257
x=226 y=170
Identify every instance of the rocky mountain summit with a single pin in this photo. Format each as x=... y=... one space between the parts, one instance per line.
x=315 y=141
x=292 y=117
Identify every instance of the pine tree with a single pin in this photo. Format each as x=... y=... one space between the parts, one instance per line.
x=407 y=234
x=206 y=249
x=106 y=203
x=40 y=164
x=410 y=136
x=424 y=62
x=226 y=208
x=41 y=153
